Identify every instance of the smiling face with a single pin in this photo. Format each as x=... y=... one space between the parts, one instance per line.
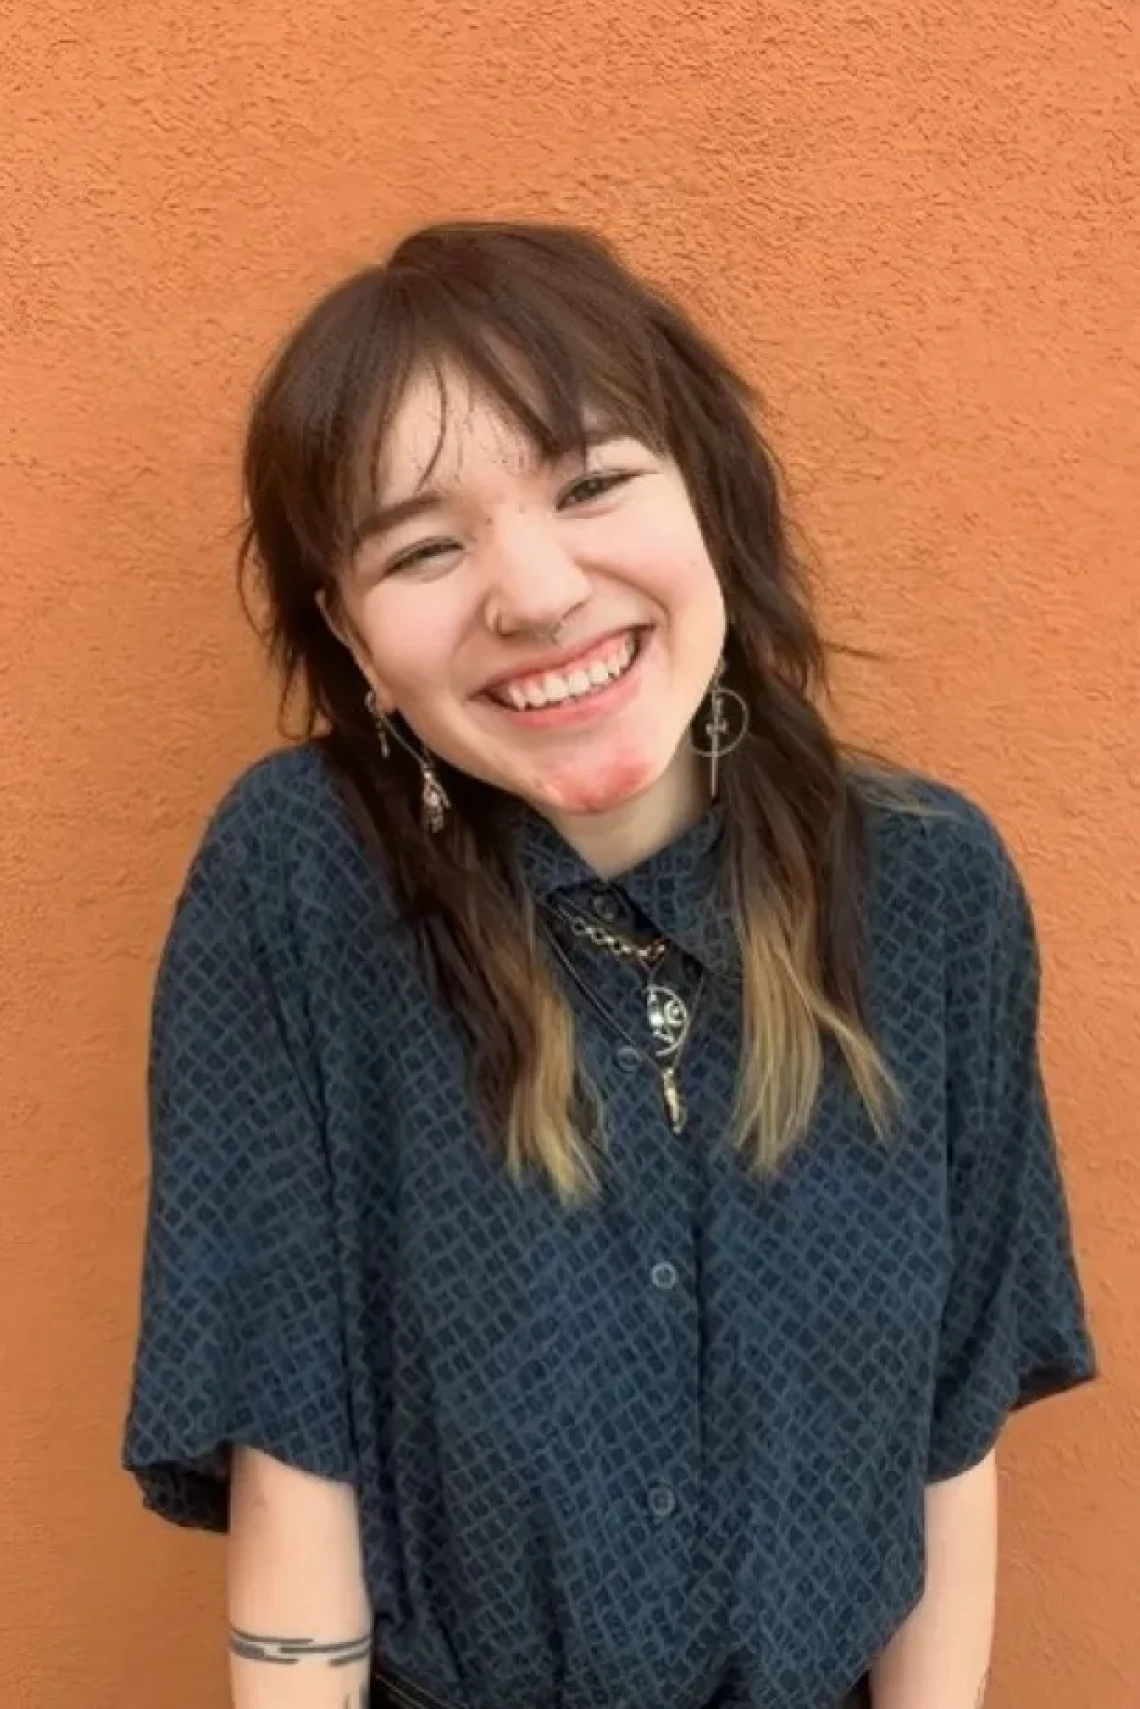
x=549 y=627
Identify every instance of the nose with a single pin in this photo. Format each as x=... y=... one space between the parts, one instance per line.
x=534 y=582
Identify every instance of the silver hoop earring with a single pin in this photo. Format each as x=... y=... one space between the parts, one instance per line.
x=434 y=801
x=725 y=726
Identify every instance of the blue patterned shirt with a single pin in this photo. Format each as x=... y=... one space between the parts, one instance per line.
x=671 y=1442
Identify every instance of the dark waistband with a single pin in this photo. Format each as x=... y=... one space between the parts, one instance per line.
x=392 y=1691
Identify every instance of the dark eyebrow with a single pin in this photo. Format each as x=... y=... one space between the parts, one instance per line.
x=388 y=516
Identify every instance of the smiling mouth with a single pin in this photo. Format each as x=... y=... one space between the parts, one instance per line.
x=574 y=684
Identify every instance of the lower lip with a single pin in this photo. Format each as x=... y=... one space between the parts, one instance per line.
x=571 y=714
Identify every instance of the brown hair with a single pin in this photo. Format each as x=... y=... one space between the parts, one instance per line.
x=551 y=325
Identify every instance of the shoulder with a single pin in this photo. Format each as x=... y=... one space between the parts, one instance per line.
x=279 y=882
x=281 y=856
x=933 y=849
x=282 y=822
x=283 y=801
x=923 y=826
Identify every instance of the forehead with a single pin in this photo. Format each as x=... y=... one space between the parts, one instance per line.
x=451 y=432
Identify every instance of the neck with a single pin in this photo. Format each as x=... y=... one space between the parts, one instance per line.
x=622 y=838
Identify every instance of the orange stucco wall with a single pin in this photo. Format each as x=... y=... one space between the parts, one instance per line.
x=915 y=224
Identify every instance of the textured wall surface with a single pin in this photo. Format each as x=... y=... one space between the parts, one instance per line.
x=916 y=224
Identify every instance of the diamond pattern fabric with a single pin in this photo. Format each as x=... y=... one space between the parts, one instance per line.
x=670 y=1443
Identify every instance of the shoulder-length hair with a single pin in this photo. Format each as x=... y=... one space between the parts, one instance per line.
x=555 y=330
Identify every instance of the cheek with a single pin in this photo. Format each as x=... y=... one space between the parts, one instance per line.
x=410 y=646
x=675 y=571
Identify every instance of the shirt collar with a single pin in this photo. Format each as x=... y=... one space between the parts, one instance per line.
x=677 y=889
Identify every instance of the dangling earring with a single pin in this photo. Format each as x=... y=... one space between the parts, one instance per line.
x=433 y=798
x=719 y=735
x=380 y=719
x=434 y=802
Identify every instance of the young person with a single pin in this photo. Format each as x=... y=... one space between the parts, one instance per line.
x=604 y=1205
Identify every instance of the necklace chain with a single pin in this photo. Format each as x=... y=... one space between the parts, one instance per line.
x=662 y=1004
x=648 y=955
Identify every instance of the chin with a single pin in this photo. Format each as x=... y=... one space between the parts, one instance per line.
x=601 y=787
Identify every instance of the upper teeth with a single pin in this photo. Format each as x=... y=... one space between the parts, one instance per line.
x=556 y=686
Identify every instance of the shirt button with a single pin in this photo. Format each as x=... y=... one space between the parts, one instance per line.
x=662 y=1501
x=664 y=1276
x=627 y=1058
x=605 y=906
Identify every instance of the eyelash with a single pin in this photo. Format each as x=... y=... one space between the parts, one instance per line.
x=607 y=483
x=603 y=483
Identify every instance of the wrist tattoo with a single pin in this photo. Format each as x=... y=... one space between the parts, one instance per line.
x=290 y=1652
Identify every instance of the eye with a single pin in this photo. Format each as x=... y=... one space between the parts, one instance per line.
x=422 y=554
x=591 y=487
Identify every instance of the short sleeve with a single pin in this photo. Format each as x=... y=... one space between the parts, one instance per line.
x=240 y=1336
x=1014 y=1329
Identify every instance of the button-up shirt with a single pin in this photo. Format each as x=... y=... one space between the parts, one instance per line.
x=675 y=1438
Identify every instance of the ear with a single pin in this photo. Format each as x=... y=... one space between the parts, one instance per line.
x=338 y=620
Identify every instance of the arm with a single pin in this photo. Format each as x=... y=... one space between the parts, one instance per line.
x=939 y=1657
x=301 y=1628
